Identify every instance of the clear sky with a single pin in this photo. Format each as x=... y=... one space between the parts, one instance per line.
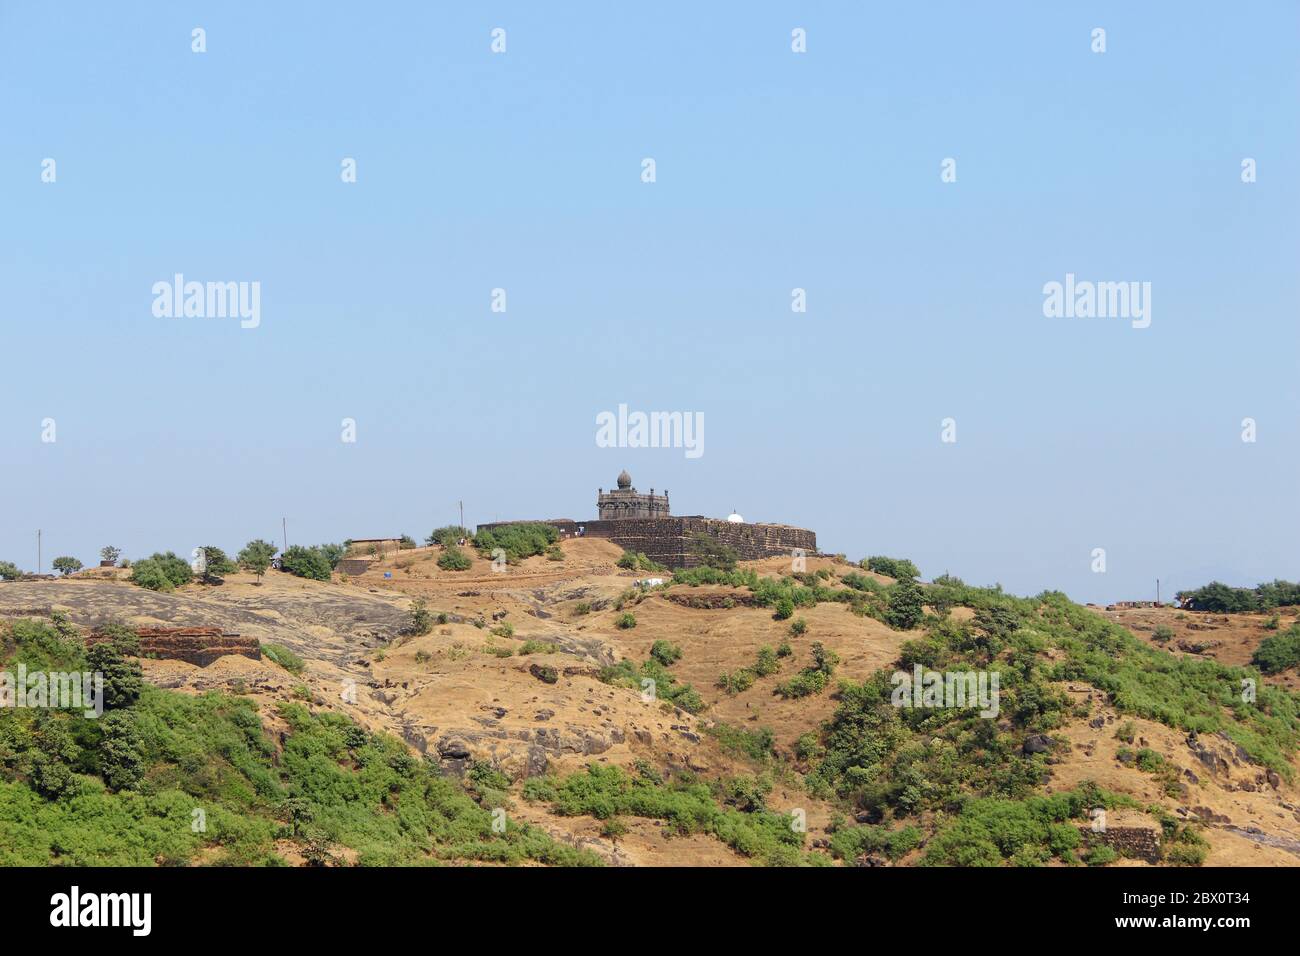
x=774 y=170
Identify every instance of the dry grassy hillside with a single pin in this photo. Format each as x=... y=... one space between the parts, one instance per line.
x=510 y=676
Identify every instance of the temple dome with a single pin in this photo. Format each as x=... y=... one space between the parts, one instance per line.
x=624 y=479
x=735 y=518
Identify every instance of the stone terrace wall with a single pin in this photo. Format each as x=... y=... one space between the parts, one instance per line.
x=198 y=645
x=1138 y=843
x=667 y=540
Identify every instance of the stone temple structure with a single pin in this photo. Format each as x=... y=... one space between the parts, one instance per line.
x=643 y=522
x=627 y=502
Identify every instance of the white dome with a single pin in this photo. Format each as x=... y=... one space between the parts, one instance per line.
x=735 y=518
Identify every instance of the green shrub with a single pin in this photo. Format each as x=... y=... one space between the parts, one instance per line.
x=898 y=568
x=454 y=559
x=784 y=609
x=665 y=653
x=304 y=562
x=421 y=617
x=9 y=571
x=448 y=536
x=798 y=627
x=537 y=647
x=625 y=621
x=518 y=541
x=1278 y=652
x=284 y=657
x=161 y=572
x=709 y=552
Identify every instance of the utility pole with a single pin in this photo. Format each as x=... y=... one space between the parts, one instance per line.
x=462 y=514
x=284 y=529
x=1157 y=590
x=38 y=550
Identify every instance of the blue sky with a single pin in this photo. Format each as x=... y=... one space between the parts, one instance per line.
x=775 y=170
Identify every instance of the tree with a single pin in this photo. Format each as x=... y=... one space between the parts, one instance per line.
x=711 y=553
x=66 y=565
x=215 y=564
x=110 y=554
x=256 y=557
x=446 y=535
x=905 y=609
x=9 y=571
x=122 y=680
x=121 y=752
x=334 y=553
x=306 y=563
x=421 y=617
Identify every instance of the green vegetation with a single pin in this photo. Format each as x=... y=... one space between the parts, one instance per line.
x=161 y=572
x=448 y=536
x=1028 y=832
x=899 y=569
x=110 y=554
x=255 y=557
x=637 y=561
x=733 y=811
x=215 y=564
x=1222 y=599
x=65 y=565
x=768 y=663
x=663 y=685
x=284 y=657
x=537 y=647
x=314 y=563
x=518 y=541
x=849 y=843
x=625 y=621
x=555 y=553
x=709 y=552
x=757 y=745
x=454 y=559
x=665 y=653
x=1278 y=652
x=813 y=678
x=421 y=617
x=173 y=778
x=9 y=571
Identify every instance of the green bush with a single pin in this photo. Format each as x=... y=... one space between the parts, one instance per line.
x=161 y=572
x=899 y=569
x=1278 y=652
x=709 y=552
x=421 y=617
x=312 y=563
x=665 y=653
x=454 y=559
x=9 y=571
x=448 y=536
x=784 y=609
x=518 y=541
x=284 y=657
x=625 y=621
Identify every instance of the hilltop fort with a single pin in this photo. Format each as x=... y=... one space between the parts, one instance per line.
x=644 y=522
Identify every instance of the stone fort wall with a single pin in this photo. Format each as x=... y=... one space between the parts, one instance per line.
x=667 y=540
